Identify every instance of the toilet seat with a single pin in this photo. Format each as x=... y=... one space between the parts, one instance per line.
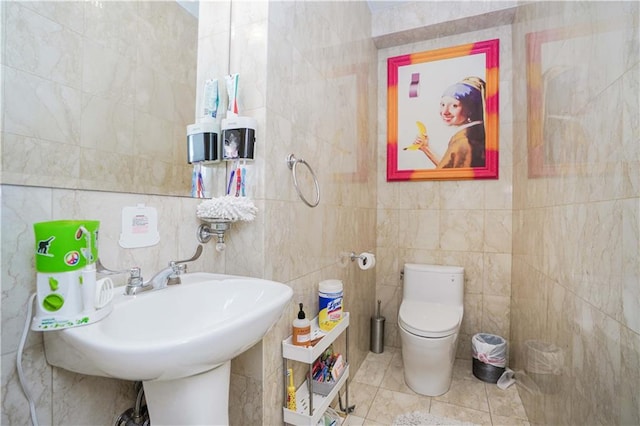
x=429 y=319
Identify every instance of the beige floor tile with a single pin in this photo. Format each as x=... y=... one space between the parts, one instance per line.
x=394 y=377
x=372 y=369
x=368 y=422
x=508 y=421
x=506 y=402
x=466 y=393
x=362 y=396
x=462 y=369
x=459 y=413
x=355 y=421
x=389 y=404
x=468 y=400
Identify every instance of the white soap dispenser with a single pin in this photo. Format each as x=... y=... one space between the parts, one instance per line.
x=301 y=330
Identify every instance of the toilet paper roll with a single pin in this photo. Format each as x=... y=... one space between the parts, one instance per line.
x=366 y=261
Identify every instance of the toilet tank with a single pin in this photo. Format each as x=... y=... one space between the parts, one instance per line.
x=434 y=283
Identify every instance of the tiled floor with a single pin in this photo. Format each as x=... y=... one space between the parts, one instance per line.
x=380 y=394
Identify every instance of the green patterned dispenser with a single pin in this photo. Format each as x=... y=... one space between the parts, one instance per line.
x=66 y=252
x=65 y=245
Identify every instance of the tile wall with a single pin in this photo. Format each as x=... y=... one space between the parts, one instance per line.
x=63 y=397
x=95 y=90
x=321 y=67
x=575 y=322
x=564 y=281
x=307 y=73
x=458 y=222
x=569 y=286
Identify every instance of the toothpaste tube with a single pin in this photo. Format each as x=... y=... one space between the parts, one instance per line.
x=211 y=98
x=232 y=91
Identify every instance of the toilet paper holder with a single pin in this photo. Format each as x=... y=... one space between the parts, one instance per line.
x=364 y=260
x=353 y=256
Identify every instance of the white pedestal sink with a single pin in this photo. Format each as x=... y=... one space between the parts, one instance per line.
x=178 y=341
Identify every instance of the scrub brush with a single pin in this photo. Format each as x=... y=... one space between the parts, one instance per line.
x=227 y=208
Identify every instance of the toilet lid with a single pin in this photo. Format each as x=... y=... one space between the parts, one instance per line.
x=429 y=319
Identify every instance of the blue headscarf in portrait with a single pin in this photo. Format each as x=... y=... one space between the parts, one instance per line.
x=471 y=98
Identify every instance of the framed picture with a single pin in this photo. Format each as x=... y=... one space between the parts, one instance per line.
x=562 y=78
x=442 y=113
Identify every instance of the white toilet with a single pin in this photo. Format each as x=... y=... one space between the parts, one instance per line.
x=429 y=321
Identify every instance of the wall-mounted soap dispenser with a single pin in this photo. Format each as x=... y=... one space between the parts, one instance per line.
x=239 y=137
x=203 y=142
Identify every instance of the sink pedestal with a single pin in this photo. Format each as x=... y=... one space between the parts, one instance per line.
x=202 y=399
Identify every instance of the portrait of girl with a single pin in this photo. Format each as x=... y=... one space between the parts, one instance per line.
x=442 y=113
x=461 y=107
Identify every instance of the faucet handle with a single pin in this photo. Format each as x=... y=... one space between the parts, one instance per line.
x=194 y=257
x=174 y=277
x=135 y=277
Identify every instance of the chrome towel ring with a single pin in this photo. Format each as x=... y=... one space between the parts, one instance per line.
x=292 y=163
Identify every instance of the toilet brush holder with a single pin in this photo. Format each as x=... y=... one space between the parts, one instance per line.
x=377 y=332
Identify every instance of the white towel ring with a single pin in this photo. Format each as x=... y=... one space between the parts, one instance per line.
x=292 y=163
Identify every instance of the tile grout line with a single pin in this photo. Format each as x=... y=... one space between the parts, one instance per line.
x=486 y=394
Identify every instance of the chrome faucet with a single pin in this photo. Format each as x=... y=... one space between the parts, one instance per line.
x=167 y=276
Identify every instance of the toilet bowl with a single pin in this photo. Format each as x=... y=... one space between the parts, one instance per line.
x=429 y=321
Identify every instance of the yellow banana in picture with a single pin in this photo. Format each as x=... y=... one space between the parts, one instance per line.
x=422 y=131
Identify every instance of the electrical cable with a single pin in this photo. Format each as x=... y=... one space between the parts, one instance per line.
x=23 y=381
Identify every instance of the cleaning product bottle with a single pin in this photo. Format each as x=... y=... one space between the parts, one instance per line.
x=330 y=294
x=301 y=330
x=291 y=391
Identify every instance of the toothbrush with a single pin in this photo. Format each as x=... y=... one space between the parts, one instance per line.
x=230 y=181
x=200 y=184
x=244 y=178
x=233 y=172
x=194 y=182
x=238 y=182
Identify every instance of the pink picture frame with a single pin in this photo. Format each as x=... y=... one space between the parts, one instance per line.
x=442 y=113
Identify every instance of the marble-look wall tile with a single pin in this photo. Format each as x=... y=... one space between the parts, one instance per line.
x=461 y=230
x=498 y=231
x=68 y=14
x=419 y=228
x=596 y=349
x=110 y=25
x=472 y=316
x=495 y=315
x=245 y=396
x=629 y=377
x=53 y=113
x=575 y=230
x=71 y=406
x=496 y=280
x=19 y=211
x=23 y=206
x=42 y=46
x=38 y=380
x=326 y=83
x=410 y=15
x=107 y=73
x=98 y=133
x=96 y=89
x=630 y=229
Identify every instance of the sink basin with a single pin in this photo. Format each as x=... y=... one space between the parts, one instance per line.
x=171 y=335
